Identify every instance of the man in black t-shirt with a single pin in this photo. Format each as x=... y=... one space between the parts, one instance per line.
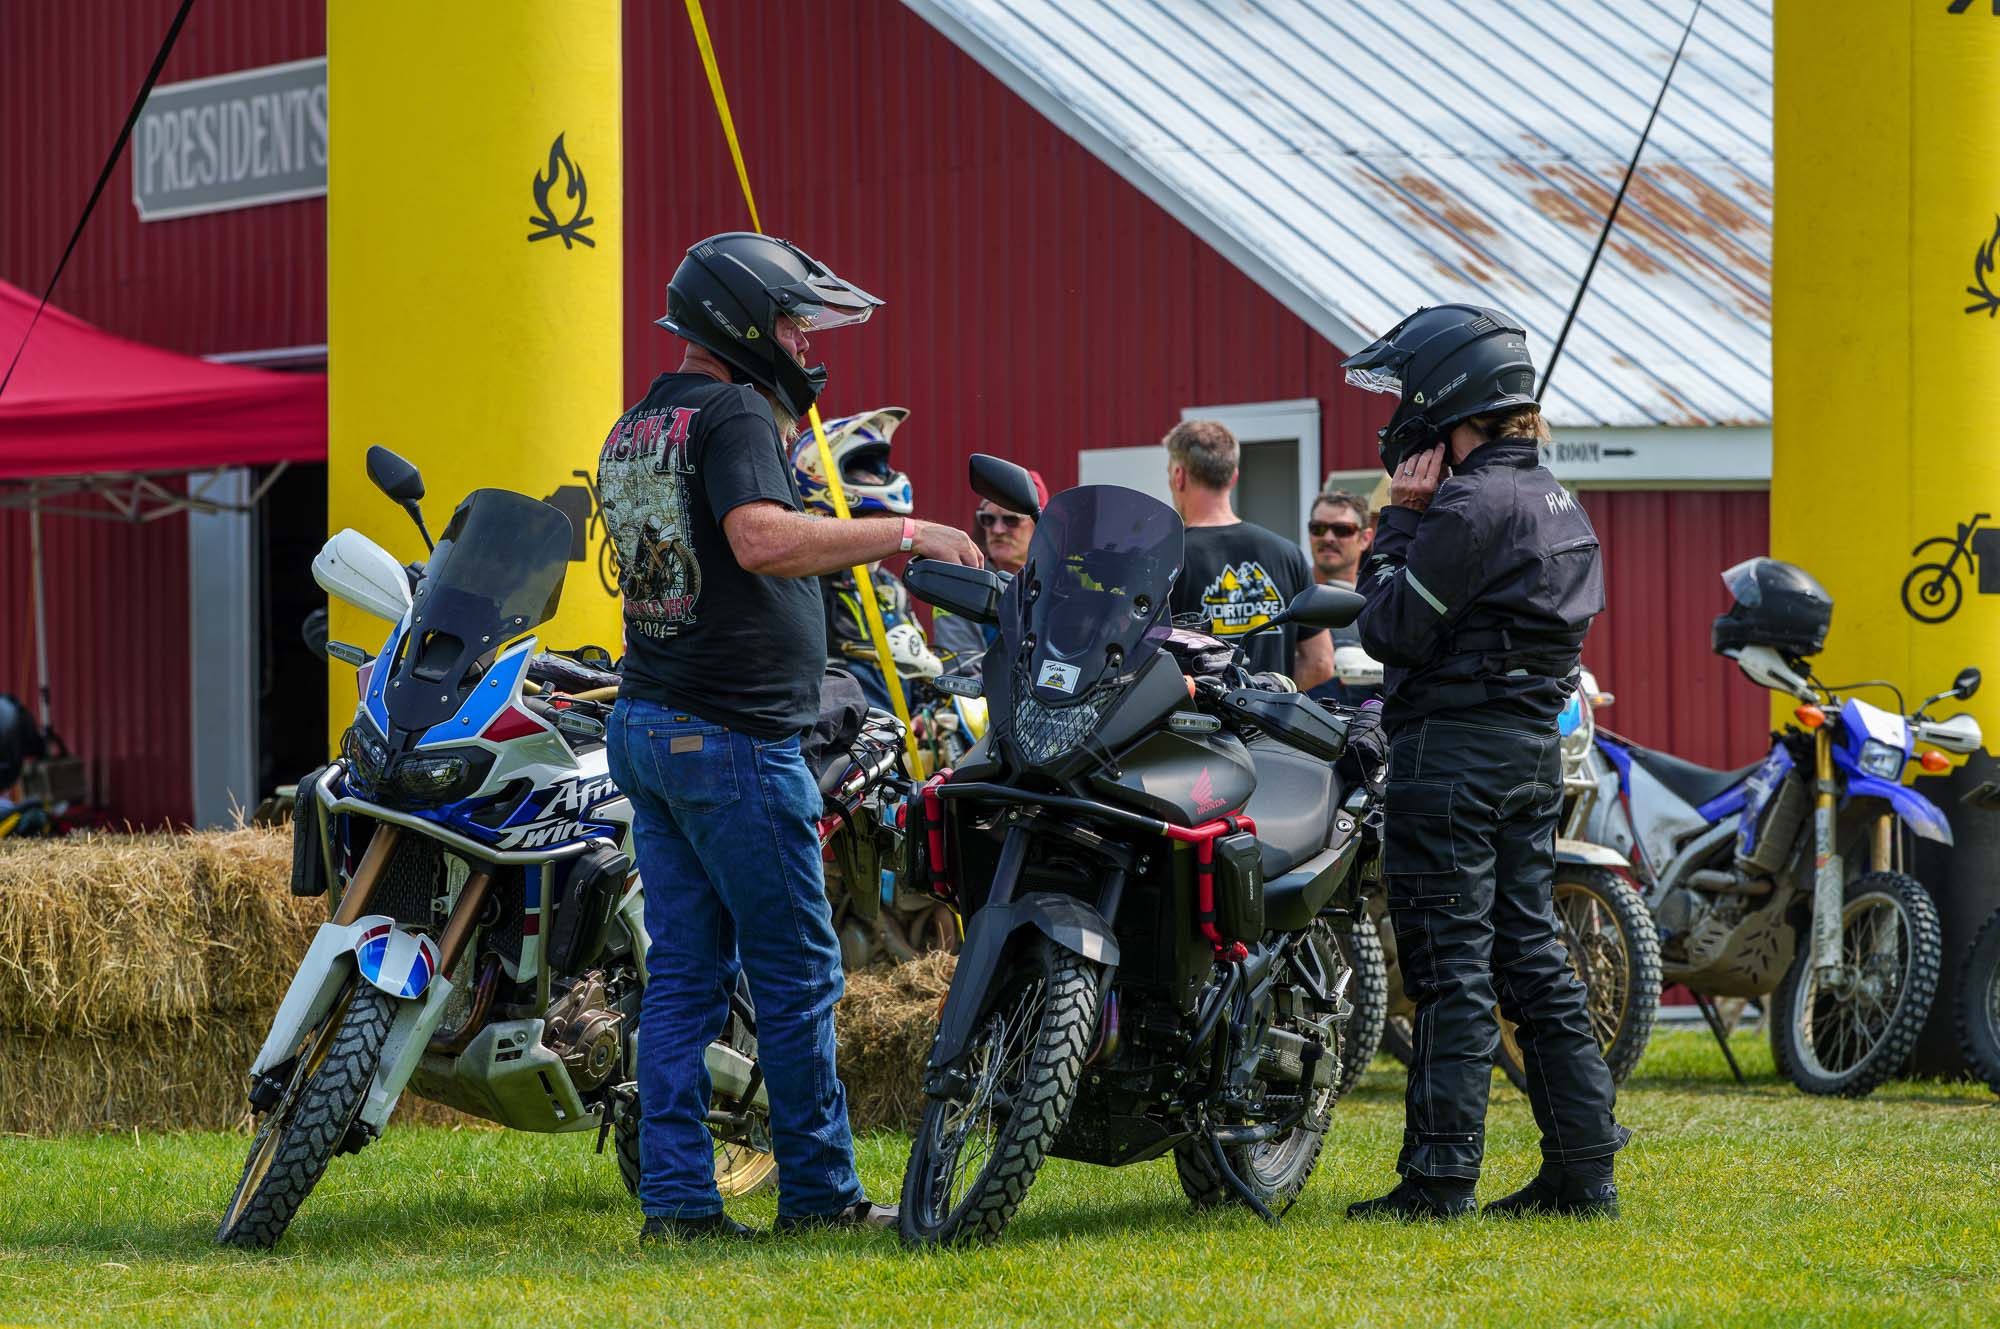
x=725 y=644
x=1237 y=574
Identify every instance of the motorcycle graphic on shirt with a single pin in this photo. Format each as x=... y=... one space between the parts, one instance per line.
x=1242 y=597
x=642 y=478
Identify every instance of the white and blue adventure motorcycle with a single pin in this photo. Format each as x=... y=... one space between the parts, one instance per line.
x=487 y=943
x=1784 y=880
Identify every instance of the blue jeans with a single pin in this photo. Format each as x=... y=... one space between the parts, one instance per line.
x=730 y=860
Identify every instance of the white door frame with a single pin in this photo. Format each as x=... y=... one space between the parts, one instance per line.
x=1269 y=421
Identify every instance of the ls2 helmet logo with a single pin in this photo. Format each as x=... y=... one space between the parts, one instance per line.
x=562 y=169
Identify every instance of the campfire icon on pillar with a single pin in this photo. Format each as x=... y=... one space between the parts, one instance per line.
x=571 y=175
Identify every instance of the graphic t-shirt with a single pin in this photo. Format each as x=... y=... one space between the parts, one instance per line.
x=702 y=634
x=1240 y=577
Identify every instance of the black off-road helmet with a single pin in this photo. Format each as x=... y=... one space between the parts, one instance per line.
x=1445 y=364
x=729 y=293
x=1776 y=604
x=20 y=739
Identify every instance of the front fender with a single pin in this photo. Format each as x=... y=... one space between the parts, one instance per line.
x=401 y=963
x=1591 y=855
x=990 y=939
x=1918 y=813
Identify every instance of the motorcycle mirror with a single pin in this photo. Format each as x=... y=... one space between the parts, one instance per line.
x=400 y=481
x=1966 y=683
x=1325 y=607
x=971 y=593
x=1004 y=484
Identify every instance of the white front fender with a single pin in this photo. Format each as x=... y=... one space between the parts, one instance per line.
x=401 y=963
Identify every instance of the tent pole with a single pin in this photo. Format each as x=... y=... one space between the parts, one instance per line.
x=41 y=610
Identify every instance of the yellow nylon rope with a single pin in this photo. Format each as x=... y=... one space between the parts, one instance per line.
x=864 y=581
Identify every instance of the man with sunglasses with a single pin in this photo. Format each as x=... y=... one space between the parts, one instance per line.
x=1340 y=533
x=1005 y=536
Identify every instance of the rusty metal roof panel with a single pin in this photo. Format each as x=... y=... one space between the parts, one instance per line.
x=1360 y=160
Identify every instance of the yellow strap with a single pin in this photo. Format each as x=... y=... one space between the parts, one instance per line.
x=864 y=582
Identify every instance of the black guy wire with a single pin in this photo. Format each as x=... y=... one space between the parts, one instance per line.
x=1619 y=198
x=103 y=178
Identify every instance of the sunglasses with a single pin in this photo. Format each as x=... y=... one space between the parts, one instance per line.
x=1340 y=530
x=988 y=520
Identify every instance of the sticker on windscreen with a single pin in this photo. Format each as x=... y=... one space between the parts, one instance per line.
x=1057 y=676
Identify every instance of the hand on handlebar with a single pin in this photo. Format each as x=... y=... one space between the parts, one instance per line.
x=947 y=544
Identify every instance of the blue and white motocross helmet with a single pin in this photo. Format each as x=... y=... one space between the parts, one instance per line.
x=860 y=447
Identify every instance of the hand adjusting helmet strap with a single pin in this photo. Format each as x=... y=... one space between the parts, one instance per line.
x=1444 y=364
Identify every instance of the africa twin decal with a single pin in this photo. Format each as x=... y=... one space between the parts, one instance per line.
x=561 y=817
x=1242 y=597
x=643 y=473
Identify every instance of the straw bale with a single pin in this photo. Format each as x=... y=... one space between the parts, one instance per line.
x=886 y=1023
x=101 y=934
x=187 y=1075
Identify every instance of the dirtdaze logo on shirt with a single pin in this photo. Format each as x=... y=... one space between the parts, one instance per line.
x=643 y=473
x=1242 y=597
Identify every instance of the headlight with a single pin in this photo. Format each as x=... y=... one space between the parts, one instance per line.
x=421 y=781
x=1879 y=759
x=366 y=755
x=1046 y=732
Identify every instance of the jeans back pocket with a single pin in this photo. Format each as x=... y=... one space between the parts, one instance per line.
x=695 y=764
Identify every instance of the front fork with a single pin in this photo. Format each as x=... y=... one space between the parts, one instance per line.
x=1829 y=875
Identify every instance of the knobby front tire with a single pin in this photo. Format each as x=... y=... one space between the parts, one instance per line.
x=297 y=1139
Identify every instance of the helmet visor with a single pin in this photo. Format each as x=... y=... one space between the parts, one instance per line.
x=1744 y=585
x=1386 y=381
x=823 y=301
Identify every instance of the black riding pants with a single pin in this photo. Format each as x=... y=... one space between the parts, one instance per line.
x=1469 y=857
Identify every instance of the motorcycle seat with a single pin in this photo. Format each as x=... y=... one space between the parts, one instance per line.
x=1293 y=805
x=1687 y=781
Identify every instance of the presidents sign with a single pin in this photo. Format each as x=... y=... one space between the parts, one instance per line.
x=233 y=141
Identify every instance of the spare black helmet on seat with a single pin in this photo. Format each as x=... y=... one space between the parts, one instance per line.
x=729 y=293
x=1776 y=604
x=1445 y=364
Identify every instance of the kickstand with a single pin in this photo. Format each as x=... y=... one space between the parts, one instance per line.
x=1706 y=1005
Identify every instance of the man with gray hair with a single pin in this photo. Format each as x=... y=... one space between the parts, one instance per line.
x=1236 y=574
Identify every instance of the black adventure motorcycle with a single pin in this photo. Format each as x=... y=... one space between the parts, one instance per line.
x=1150 y=863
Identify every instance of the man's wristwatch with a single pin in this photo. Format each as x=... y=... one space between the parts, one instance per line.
x=909 y=535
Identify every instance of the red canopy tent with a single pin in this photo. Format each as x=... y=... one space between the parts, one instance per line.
x=83 y=402
x=119 y=429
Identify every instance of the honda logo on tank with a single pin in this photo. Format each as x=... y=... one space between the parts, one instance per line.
x=233 y=141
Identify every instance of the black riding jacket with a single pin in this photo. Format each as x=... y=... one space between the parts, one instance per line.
x=1482 y=601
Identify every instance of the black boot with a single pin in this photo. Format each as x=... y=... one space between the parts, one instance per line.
x=1581 y=1190
x=1417 y=1197
x=661 y=1231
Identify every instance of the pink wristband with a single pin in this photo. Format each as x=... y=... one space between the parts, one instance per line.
x=909 y=534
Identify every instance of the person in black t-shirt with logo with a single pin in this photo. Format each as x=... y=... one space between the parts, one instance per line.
x=1236 y=574
x=725 y=644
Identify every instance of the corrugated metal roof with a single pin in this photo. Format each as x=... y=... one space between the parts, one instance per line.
x=1359 y=160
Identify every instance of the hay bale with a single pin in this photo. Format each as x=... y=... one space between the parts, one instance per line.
x=885 y=1025
x=188 y=1075
x=103 y=934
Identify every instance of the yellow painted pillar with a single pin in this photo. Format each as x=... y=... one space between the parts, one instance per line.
x=475 y=218
x=1886 y=362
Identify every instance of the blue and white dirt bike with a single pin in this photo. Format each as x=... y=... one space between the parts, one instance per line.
x=487 y=942
x=1782 y=881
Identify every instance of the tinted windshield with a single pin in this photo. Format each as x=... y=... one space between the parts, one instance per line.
x=496 y=574
x=1093 y=594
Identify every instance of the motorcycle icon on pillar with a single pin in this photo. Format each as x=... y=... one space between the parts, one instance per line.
x=1932 y=591
x=584 y=507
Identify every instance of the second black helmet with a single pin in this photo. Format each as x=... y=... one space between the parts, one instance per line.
x=1445 y=364
x=729 y=293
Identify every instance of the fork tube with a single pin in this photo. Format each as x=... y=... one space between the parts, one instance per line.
x=1007 y=872
x=1829 y=885
x=361 y=887
x=471 y=899
x=1880 y=860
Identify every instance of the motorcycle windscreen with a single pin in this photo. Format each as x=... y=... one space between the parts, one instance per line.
x=1092 y=596
x=496 y=575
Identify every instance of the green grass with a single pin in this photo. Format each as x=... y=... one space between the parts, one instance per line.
x=1749 y=1205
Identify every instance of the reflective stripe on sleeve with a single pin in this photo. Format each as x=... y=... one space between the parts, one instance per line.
x=1424 y=591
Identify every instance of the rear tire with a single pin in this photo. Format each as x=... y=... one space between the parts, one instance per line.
x=1277 y=1170
x=297 y=1139
x=1850 y=1043
x=1615 y=950
x=1362 y=950
x=1025 y=1062
x=1979 y=1004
